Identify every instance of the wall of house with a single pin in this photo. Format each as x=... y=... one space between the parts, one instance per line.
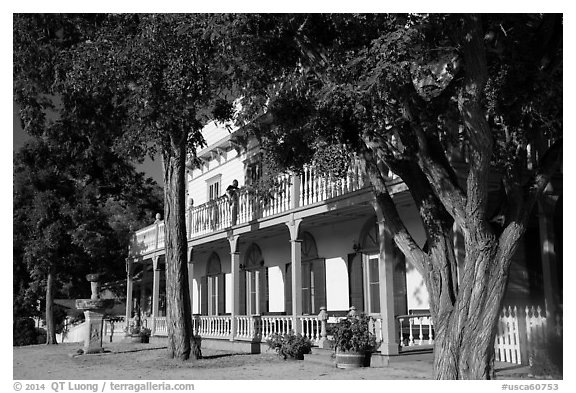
x=229 y=165
x=213 y=132
x=276 y=297
x=195 y=297
x=337 y=291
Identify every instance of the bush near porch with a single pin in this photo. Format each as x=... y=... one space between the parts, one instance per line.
x=290 y=345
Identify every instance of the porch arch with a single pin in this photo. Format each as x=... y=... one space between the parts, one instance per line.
x=253 y=258
x=212 y=287
x=253 y=283
x=363 y=272
x=309 y=249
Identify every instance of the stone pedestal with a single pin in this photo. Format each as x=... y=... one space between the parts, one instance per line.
x=93 y=338
x=94 y=313
x=94 y=309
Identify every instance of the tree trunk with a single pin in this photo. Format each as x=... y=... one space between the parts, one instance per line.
x=460 y=358
x=179 y=313
x=464 y=312
x=464 y=347
x=464 y=335
x=50 y=328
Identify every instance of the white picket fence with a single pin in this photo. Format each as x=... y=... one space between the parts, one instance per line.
x=520 y=331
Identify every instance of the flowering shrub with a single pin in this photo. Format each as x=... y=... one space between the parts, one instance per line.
x=353 y=334
x=290 y=345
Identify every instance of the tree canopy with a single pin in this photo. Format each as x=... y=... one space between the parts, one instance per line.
x=447 y=102
x=157 y=79
x=76 y=198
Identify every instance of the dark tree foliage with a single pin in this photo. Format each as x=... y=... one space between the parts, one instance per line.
x=444 y=101
x=76 y=199
x=157 y=80
x=69 y=223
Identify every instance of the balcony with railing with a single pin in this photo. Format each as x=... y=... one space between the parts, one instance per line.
x=293 y=191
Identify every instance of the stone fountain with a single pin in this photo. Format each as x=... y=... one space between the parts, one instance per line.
x=94 y=310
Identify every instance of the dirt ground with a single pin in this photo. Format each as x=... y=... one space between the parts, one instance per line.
x=149 y=362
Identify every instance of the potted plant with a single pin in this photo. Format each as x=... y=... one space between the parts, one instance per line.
x=139 y=334
x=145 y=334
x=353 y=342
x=290 y=345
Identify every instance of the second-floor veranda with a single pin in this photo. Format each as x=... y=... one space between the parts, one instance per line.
x=296 y=196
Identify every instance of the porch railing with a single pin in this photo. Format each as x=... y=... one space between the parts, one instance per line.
x=160 y=327
x=275 y=325
x=310 y=327
x=261 y=328
x=415 y=330
x=212 y=326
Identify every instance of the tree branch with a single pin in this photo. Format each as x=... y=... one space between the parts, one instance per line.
x=387 y=211
x=480 y=135
x=443 y=280
x=438 y=172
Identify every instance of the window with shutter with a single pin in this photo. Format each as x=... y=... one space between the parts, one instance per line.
x=214 y=286
x=356 y=285
x=214 y=187
x=373 y=281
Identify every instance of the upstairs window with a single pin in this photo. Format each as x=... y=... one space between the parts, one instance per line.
x=214 y=187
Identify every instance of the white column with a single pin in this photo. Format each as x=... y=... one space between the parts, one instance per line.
x=296 y=260
x=129 y=288
x=143 y=292
x=191 y=276
x=294 y=190
x=155 y=291
x=386 y=261
x=235 y=272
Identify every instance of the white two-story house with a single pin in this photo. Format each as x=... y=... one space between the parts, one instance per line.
x=313 y=244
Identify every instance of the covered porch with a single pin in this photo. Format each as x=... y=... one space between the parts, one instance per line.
x=248 y=283
x=260 y=268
